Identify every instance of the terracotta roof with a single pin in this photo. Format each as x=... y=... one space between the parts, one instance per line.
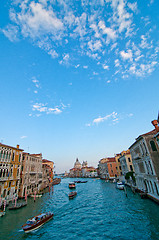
x=45 y=161
x=4 y=145
x=111 y=159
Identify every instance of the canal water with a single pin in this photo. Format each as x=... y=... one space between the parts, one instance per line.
x=99 y=211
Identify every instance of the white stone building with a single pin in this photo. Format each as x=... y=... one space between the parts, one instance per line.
x=145 y=158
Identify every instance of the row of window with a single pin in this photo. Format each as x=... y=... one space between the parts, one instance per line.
x=5 y=155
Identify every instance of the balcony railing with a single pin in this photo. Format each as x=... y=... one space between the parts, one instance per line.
x=137 y=156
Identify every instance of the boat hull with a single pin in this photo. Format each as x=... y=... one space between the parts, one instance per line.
x=72 y=195
x=37 y=225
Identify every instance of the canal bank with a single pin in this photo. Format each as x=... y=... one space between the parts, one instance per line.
x=99 y=211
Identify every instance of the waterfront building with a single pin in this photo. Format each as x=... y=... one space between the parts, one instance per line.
x=84 y=164
x=118 y=165
x=89 y=172
x=126 y=162
x=82 y=170
x=10 y=168
x=75 y=172
x=145 y=158
x=103 y=169
x=48 y=173
x=77 y=164
x=31 y=174
x=107 y=168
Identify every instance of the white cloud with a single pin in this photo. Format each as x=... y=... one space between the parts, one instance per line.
x=111 y=34
x=42 y=108
x=22 y=137
x=37 y=20
x=106 y=67
x=95 y=46
x=36 y=82
x=85 y=67
x=102 y=119
x=126 y=55
x=11 y=32
x=65 y=60
x=133 y=6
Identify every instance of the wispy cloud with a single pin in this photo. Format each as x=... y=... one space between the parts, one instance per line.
x=95 y=34
x=22 y=137
x=113 y=118
x=42 y=108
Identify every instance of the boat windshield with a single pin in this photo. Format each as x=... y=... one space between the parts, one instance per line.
x=30 y=221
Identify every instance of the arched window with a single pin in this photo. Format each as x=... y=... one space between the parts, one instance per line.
x=151 y=167
x=4 y=193
x=13 y=157
x=156 y=188
x=4 y=171
x=152 y=187
x=153 y=146
x=145 y=147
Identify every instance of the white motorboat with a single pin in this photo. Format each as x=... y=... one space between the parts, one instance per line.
x=120 y=185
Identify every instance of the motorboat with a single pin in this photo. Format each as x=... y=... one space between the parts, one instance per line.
x=56 y=181
x=2 y=213
x=120 y=185
x=72 y=185
x=37 y=221
x=72 y=195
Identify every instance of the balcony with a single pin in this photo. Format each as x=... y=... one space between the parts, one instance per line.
x=32 y=173
x=3 y=179
x=137 y=156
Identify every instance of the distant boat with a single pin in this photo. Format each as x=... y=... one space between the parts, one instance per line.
x=84 y=181
x=72 y=185
x=37 y=221
x=80 y=181
x=56 y=181
x=120 y=185
x=72 y=195
x=17 y=205
x=37 y=195
x=2 y=213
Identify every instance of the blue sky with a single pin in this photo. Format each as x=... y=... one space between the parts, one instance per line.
x=78 y=78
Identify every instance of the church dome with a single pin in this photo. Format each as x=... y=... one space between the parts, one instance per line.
x=77 y=164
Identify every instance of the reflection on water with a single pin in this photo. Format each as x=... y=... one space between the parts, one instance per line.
x=99 y=211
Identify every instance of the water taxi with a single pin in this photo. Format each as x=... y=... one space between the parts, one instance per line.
x=120 y=185
x=72 y=185
x=72 y=195
x=37 y=221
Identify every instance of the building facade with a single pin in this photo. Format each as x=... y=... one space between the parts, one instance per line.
x=10 y=168
x=145 y=158
x=126 y=162
x=31 y=174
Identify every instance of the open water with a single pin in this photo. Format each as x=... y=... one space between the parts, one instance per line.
x=99 y=211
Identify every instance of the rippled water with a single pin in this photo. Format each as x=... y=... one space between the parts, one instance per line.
x=99 y=211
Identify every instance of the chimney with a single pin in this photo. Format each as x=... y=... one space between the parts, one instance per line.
x=155 y=124
x=17 y=145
